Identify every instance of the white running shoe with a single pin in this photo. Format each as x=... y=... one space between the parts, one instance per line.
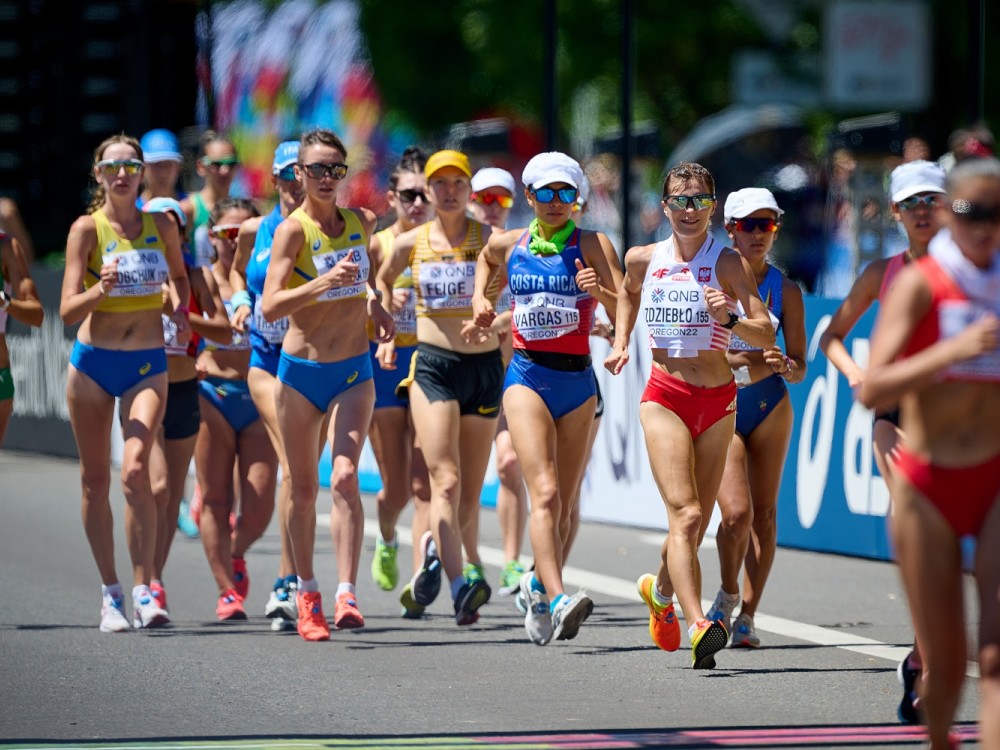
x=744 y=635
x=281 y=605
x=722 y=608
x=113 y=619
x=538 y=621
x=148 y=613
x=569 y=616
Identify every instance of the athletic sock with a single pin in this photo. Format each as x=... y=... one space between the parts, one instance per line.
x=554 y=604
x=345 y=587
x=311 y=585
x=114 y=590
x=456 y=586
x=659 y=598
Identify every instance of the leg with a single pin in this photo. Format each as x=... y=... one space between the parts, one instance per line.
x=988 y=584
x=737 y=513
x=215 y=454
x=420 y=485
x=474 y=456
x=178 y=454
x=391 y=441
x=6 y=409
x=159 y=482
x=512 y=501
x=258 y=469
x=574 y=520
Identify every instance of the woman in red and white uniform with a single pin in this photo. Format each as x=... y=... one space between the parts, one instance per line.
x=935 y=353
x=687 y=288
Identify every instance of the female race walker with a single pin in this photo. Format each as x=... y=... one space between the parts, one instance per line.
x=690 y=285
x=748 y=495
x=916 y=189
x=117 y=259
x=935 y=353
x=19 y=300
x=455 y=384
x=246 y=278
x=317 y=278
x=557 y=275
x=400 y=460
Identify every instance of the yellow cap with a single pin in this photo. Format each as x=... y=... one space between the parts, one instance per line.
x=447 y=158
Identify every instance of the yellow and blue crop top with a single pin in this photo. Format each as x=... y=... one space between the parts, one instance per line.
x=406 y=317
x=142 y=266
x=321 y=252
x=444 y=280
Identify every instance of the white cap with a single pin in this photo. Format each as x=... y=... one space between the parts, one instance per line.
x=551 y=167
x=493 y=177
x=744 y=202
x=584 y=194
x=915 y=177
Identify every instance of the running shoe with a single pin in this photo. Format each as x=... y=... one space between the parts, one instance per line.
x=663 y=626
x=113 y=619
x=148 y=614
x=707 y=639
x=722 y=608
x=908 y=712
x=312 y=623
x=510 y=578
x=281 y=603
x=411 y=610
x=744 y=635
x=385 y=570
x=230 y=606
x=470 y=598
x=159 y=593
x=569 y=616
x=346 y=615
x=476 y=573
x=186 y=522
x=426 y=583
x=537 y=620
x=241 y=578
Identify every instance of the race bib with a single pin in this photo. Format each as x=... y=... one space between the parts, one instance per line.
x=170 y=343
x=545 y=315
x=325 y=261
x=953 y=318
x=504 y=301
x=273 y=333
x=447 y=286
x=141 y=273
x=406 y=316
x=677 y=319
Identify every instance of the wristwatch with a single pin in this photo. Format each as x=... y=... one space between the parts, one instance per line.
x=733 y=320
x=375 y=294
x=4 y=300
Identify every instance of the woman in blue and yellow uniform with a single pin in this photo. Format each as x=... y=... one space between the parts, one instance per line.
x=455 y=383
x=400 y=460
x=117 y=259
x=317 y=277
x=232 y=437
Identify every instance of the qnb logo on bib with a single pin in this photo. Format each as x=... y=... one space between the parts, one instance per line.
x=545 y=316
x=140 y=273
x=447 y=286
x=325 y=261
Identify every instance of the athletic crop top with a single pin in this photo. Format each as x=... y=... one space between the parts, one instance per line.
x=261 y=331
x=673 y=301
x=770 y=291
x=551 y=313
x=320 y=253
x=444 y=280
x=142 y=266
x=406 y=317
x=894 y=266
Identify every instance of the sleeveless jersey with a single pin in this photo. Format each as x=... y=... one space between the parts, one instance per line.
x=894 y=266
x=202 y=214
x=320 y=253
x=262 y=332
x=770 y=291
x=444 y=280
x=142 y=267
x=405 y=318
x=673 y=302
x=551 y=313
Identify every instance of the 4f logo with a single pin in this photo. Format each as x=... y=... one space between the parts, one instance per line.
x=659 y=273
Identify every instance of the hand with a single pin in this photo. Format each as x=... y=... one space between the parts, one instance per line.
x=474 y=334
x=385 y=355
x=586 y=279
x=778 y=361
x=183 y=327
x=717 y=304
x=109 y=276
x=344 y=273
x=385 y=326
x=980 y=337
x=201 y=369
x=482 y=311
x=602 y=330
x=238 y=321
x=616 y=360
x=399 y=299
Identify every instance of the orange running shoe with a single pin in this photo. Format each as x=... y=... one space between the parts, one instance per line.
x=230 y=606
x=707 y=639
x=663 y=627
x=312 y=621
x=241 y=578
x=159 y=593
x=346 y=614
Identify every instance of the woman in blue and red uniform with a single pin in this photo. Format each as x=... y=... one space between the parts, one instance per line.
x=935 y=353
x=557 y=275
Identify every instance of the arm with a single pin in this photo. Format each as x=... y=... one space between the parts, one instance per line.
x=238 y=273
x=863 y=293
x=491 y=259
x=735 y=275
x=627 y=305
x=385 y=325
x=216 y=326
x=602 y=276
x=792 y=363
x=25 y=305
x=10 y=220
x=180 y=289
x=75 y=302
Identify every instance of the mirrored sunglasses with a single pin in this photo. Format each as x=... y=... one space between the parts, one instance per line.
x=225 y=231
x=756 y=225
x=547 y=195
x=682 y=202
x=318 y=170
x=504 y=201
x=111 y=167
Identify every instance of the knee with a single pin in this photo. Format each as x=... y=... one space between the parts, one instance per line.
x=446 y=483
x=303 y=491
x=765 y=523
x=736 y=521
x=545 y=496
x=508 y=470
x=344 y=480
x=687 y=520
x=135 y=478
x=96 y=486
x=421 y=490
x=989 y=662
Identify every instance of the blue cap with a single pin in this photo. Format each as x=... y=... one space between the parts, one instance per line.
x=162 y=205
x=285 y=155
x=160 y=145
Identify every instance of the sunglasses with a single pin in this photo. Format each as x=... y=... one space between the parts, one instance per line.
x=225 y=161
x=409 y=196
x=975 y=213
x=287 y=173
x=547 y=195
x=111 y=167
x=756 y=225
x=504 y=201
x=916 y=201
x=225 y=231
x=684 y=202
x=318 y=170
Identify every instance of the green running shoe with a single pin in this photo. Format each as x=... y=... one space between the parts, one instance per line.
x=385 y=571
x=473 y=572
x=510 y=578
x=411 y=610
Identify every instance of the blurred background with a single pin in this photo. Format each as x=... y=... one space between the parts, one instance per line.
x=815 y=100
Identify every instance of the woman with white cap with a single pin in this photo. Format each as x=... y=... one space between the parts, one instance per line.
x=163 y=166
x=246 y=278
x=454 y=386
x=749 y=492
x=491 y=201
x=557 y=275
x=687 y=288
x=916 y=189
